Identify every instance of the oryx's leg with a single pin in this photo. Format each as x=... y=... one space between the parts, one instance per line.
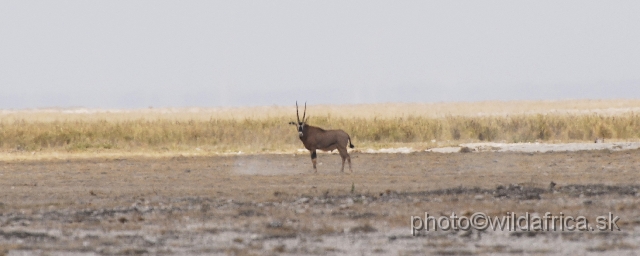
x=345 y=156
x=314 y=158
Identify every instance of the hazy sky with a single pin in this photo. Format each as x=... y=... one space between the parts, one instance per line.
x=136 y=54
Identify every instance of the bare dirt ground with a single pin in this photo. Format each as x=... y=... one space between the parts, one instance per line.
x=274 y=204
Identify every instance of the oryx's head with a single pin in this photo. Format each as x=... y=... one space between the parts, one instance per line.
x=300 y=124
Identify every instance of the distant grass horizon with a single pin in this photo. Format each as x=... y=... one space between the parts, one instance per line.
x=266 y=129
x=433 y=109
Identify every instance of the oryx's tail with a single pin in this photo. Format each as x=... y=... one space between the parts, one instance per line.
x=350 y=145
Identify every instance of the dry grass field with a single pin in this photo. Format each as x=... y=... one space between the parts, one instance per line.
x=37 y=134
x=158 y=182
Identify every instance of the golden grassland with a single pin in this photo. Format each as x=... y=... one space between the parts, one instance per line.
x=266 y=129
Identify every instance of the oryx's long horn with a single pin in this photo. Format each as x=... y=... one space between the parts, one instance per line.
x=305 y=111
x=297 y=114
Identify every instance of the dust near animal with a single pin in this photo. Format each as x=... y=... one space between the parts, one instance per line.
x=315 y=138
x=270 y=204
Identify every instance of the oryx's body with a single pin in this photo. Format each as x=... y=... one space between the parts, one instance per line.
x=315 y=138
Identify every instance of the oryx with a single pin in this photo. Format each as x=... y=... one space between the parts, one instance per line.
x=315 y=138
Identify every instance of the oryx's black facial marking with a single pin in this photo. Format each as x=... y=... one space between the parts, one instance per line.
x=300 y=128
x=315 y=138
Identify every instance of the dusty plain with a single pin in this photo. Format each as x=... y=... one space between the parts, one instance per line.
x=274 y=204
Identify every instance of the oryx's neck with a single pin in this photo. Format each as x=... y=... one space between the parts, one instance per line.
x=309 y=131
